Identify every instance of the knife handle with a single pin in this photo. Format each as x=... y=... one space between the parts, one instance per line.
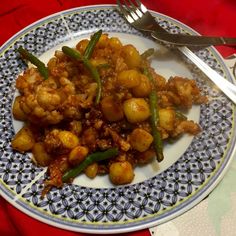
x=193 y=40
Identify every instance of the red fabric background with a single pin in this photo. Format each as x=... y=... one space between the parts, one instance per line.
x=211 y=17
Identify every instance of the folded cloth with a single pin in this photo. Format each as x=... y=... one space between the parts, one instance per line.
x=15 y=223
x=212 y=17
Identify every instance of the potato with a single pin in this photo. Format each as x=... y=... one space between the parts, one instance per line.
x=145 y=157
x=24 y=140
x=131 y=56
x=103 y=41
x=128 y=78
x=167 y=118
x=136 y=110
x=77 y=155
x=41 y=157
x=81 y=46
x=144 y=87
x=92 y=170
x=140 y=139
x=112 y=109
x=17 y=111
x=68 y=139
x=98 y=61
x=121 y=172
x=115 y=43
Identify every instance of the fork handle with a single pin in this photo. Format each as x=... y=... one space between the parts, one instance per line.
x=193 y=40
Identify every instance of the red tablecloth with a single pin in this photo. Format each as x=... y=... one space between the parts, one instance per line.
x=211 y=17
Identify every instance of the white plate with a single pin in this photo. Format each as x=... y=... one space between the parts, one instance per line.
x=192 y=166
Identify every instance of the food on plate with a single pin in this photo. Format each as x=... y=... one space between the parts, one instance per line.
x=99 y=108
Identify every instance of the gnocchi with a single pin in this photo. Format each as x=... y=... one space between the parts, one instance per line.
x=98 y=104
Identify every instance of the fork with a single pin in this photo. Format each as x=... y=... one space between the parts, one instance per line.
x=138 y=16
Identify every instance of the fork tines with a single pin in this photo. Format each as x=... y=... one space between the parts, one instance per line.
x=132 y=11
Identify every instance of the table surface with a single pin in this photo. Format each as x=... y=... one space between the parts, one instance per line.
x=212 y=17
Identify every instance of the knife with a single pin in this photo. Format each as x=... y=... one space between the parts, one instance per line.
x=192 y=40
x=228 y=88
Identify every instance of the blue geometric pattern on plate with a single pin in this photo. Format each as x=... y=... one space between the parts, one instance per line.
x=124 y=208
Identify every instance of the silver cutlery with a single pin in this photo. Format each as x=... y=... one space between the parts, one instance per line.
x=193 y=40
x=139 y=17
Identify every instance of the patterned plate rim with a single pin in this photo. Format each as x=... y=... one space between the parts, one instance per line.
x=144 y=223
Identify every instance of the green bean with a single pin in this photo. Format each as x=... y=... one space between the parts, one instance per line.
x=154 y=120
x=92 y=43
x=180 y=115
x=72 y=53
x=148 y=74
x=90 y=159
x=35 y=61
x=149 y=52
x=103 y=66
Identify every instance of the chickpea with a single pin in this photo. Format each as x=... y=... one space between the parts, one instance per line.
x=112 y=109
x=40 y=155
x=68 y=139
x=128 y=78
x=77 y=155
x=92 y=170
x=131 y=56
x=121 y=172
x=24 y=140
x=140 y=139
x=144 y=87
x=136 y=110
x=17 y=111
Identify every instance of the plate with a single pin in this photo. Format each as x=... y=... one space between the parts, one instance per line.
x=192 y=168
